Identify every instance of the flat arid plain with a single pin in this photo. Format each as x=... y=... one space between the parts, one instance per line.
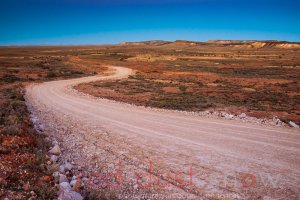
x=151 y=120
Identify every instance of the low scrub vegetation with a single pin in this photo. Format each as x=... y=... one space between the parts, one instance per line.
x=21 y=148
x=261 y=82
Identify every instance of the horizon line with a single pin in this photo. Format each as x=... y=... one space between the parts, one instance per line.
x=111 y=44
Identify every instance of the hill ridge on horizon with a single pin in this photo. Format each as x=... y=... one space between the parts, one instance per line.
x=234 y=43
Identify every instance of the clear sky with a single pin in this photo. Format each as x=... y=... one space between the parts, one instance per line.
x=31 y=22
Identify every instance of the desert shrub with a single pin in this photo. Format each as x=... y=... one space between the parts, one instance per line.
x=13 y=183
x=182 y=88
x=41 y=144
x=10 y=78
x=136 y=91
x=95 y=195
x=45 y=67
x=46 y=192
x=14 y=112
x=15 y=129
x=137 y=76
x=185 y=101
x=15 y=93
x=106 y=84
x=2 y=120
x=77 y=72
x=40 y=158
x=99 y=195
x=19 y=108
x=11 y=119
x=51 y=75
x=70 y=72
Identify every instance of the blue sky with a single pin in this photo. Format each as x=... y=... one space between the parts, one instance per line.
x=33 y=22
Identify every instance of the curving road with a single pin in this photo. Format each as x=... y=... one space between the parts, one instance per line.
x=230 y=158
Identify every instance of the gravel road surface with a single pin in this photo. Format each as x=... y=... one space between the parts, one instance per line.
x=199 y=157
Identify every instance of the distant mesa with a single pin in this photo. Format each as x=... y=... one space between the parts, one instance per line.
x=256 y=43
x=150 y=42
x=187 y=42
x=228 y=43
x=285 y=45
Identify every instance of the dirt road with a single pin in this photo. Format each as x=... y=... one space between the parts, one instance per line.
x=200 y=157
